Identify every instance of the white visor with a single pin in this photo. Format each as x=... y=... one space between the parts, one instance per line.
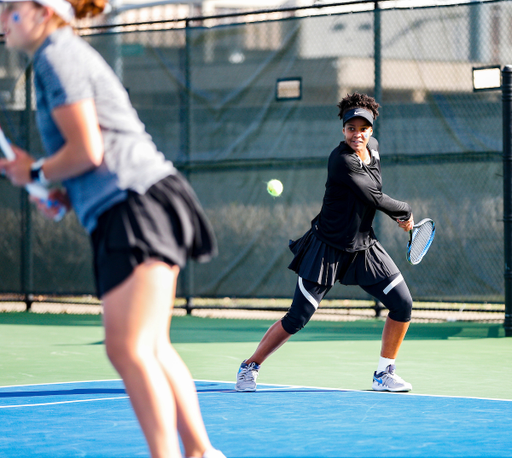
x=62 y=8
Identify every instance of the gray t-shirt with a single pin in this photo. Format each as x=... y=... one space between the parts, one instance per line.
x=68 y=70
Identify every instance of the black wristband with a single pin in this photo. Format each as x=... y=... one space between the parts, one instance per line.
x=37 y=174
x=34 y=174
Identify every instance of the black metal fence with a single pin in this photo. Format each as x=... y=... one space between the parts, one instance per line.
x=207 y=91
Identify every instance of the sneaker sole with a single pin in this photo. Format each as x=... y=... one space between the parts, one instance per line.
x=245 y=390
x=385 y=388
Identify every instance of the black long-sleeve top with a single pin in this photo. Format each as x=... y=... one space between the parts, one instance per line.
x=353 y=193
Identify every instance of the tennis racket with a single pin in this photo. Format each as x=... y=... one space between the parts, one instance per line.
x=34 y=189
x=420 y=239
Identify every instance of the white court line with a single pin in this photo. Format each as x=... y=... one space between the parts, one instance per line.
x=278 y=387
x=62 y=402
x=384 y=393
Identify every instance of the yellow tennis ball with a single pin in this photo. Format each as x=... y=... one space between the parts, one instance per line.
x=275 y=188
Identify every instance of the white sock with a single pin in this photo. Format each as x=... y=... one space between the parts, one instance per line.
x=384 y=363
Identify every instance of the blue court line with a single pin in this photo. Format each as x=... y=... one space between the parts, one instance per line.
x=95 y=419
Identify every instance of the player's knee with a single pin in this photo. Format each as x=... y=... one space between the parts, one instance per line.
x=294 y=320
x=308 y=296
x=298 y=315
x=401 y=309
x=120 y=354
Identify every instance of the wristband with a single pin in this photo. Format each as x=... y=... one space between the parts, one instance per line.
x=37 y=173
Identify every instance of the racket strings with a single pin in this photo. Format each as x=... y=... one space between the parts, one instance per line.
x=421 y=241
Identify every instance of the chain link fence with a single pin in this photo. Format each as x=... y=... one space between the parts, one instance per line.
x=207 y=90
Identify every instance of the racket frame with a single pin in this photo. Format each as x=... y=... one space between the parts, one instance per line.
x=411 y=236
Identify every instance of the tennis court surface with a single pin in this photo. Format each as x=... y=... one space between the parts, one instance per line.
x=95 y=419
x=313 y=398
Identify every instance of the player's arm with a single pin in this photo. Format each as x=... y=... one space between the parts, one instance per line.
x=83 y=147
x=349 y=171
x=81 y=152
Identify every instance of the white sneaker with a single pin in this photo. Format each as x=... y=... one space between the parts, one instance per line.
x=246 y=377
x=213 y=453
x=389 y=381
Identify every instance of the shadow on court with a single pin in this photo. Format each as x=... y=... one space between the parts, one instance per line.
x=200 y=330
x=49 y=319
x=191 y=329
x=65 y=392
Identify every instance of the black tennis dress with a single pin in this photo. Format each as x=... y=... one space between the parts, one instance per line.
x=341 y=245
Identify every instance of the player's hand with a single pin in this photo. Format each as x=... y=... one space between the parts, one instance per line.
x=17 y=170
x=56 y=206
x=406 y=225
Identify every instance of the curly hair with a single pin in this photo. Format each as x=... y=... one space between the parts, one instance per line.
x=357 y=100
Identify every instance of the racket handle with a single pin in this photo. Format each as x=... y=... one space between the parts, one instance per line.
x=40 y=192
x=62 y=212
x=34 y=189
x=37 y=191
x=6 y=146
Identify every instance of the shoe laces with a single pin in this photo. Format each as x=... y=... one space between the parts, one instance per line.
x=248 y=371
x=390 y=372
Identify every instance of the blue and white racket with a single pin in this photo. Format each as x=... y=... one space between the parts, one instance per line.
x=420 y=239
x=34 y=189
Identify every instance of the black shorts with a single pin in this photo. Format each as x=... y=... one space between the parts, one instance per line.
x=166 y=223
x=320 y=263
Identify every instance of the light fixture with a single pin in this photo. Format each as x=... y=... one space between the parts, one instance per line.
x=289 y=89
x=486 y=78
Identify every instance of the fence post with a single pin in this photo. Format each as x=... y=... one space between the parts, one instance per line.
x=507 y=192
x=377 y=57
x=27 y=265
x=187 y=275
x=377 y=92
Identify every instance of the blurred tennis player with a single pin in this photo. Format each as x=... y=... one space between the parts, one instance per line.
x=143 y=217
x=341 y=246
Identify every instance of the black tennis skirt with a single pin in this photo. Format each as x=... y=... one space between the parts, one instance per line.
x=321 y=263
x=166 y=223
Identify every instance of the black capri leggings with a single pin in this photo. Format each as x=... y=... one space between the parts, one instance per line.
x=395 y=295
x=392 y=292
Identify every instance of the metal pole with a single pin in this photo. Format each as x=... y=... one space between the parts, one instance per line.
x=507 y=192
x=377 y=56
x=377 y=92
x=187 y=275
x=27 y=265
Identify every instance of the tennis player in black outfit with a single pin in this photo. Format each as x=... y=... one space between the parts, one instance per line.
x=341 y=246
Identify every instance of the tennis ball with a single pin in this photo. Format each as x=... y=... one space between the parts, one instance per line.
x=275 y=188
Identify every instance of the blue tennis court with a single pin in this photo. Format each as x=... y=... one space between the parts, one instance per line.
x=95 y=419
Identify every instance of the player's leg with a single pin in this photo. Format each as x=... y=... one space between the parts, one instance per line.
x=393 y=335
x=133 y=316
x=190 y=421
x=273 y=339
x=306 y=300
x=137 y=318
x=133 y=313
x=394 y=294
